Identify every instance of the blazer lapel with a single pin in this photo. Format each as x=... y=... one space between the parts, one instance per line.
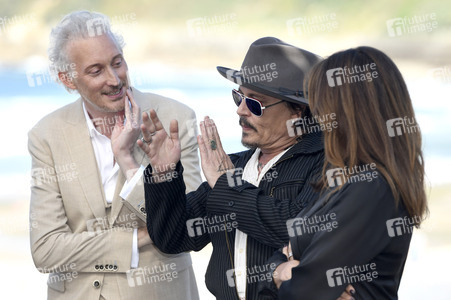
x=82 y=154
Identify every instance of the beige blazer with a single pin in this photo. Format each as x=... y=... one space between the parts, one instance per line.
x=81 y=240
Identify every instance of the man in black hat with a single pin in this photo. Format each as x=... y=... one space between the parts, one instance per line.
x=244 y=205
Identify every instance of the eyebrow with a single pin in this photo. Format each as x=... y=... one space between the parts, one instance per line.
x=98 y=65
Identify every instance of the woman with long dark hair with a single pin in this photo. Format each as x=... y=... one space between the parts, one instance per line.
x=373 y=192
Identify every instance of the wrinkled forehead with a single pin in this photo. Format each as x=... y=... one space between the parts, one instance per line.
x=99 y=49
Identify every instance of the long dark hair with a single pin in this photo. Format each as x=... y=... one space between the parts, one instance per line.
x=364 y=107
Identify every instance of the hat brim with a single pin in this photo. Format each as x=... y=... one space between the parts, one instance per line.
x=235 y=77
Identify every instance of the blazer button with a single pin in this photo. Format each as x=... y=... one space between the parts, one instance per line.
x=96 y=267
x=96 y=284
x=231 y=203
x=143 y=210
x=115 y=267
x=101 y=267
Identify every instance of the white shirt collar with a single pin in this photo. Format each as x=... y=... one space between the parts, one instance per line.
x=92 y=129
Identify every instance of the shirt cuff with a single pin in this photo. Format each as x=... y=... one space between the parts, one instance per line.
x=135 y=252
x=129 y=185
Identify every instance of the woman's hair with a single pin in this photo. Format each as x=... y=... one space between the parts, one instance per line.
x=76 y=25
x=367 y=94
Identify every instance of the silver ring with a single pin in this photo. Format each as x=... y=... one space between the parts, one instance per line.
x=290 y=255
x=153 y=133
x=144 y=141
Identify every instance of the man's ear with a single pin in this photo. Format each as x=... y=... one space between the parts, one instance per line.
x=67 y=80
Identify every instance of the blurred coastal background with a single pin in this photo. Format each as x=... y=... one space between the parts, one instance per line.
x=173 y=48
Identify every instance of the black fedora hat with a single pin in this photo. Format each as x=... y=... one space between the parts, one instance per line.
x=274 y=68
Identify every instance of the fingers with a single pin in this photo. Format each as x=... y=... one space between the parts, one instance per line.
x=202 y=147
x=155 y=120
x=174 y=130
x=347 y=294
x=147 y=127
x=204 y=134
x=350 y=289
x=214 y=134
x=135 y=114
x=285 y=251
x=290 y=252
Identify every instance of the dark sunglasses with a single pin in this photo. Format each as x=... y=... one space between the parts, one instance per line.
x=254 y=105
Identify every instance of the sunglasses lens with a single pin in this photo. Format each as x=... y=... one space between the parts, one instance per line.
x=236 y=97
x=254 y=106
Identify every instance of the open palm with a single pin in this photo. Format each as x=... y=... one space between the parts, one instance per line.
x=163 y=149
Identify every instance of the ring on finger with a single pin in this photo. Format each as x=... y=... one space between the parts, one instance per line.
x=290 y=255
x=213 y=145
x=153 y=133
x=147 y=142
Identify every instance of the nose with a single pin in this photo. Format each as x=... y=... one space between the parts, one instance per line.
x=112 y=77
x=242 y=109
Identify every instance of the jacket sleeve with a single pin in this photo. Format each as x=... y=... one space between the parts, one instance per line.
x=362 y=210
x=170 y=212
x=54 y=245
x=261 y=216
x=190 y=158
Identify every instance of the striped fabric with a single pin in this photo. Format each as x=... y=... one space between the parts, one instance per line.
x=261 y=212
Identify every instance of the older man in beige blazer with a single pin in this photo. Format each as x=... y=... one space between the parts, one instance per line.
x=87 y=196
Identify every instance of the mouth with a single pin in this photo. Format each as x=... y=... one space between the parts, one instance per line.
x=116 y=94
x=246 y=126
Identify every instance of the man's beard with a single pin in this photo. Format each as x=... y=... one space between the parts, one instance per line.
x=104 y=108
x=243 y=121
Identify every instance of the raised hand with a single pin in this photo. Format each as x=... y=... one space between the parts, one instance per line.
x=124 y=136
x=214 y=160
x=163 y=150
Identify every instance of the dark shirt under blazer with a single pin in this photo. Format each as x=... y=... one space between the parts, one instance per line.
x=261 y=212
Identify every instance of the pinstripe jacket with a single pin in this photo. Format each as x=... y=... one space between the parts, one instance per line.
x=179 y=222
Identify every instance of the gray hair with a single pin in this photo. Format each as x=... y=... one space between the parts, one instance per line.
x=78 y=24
